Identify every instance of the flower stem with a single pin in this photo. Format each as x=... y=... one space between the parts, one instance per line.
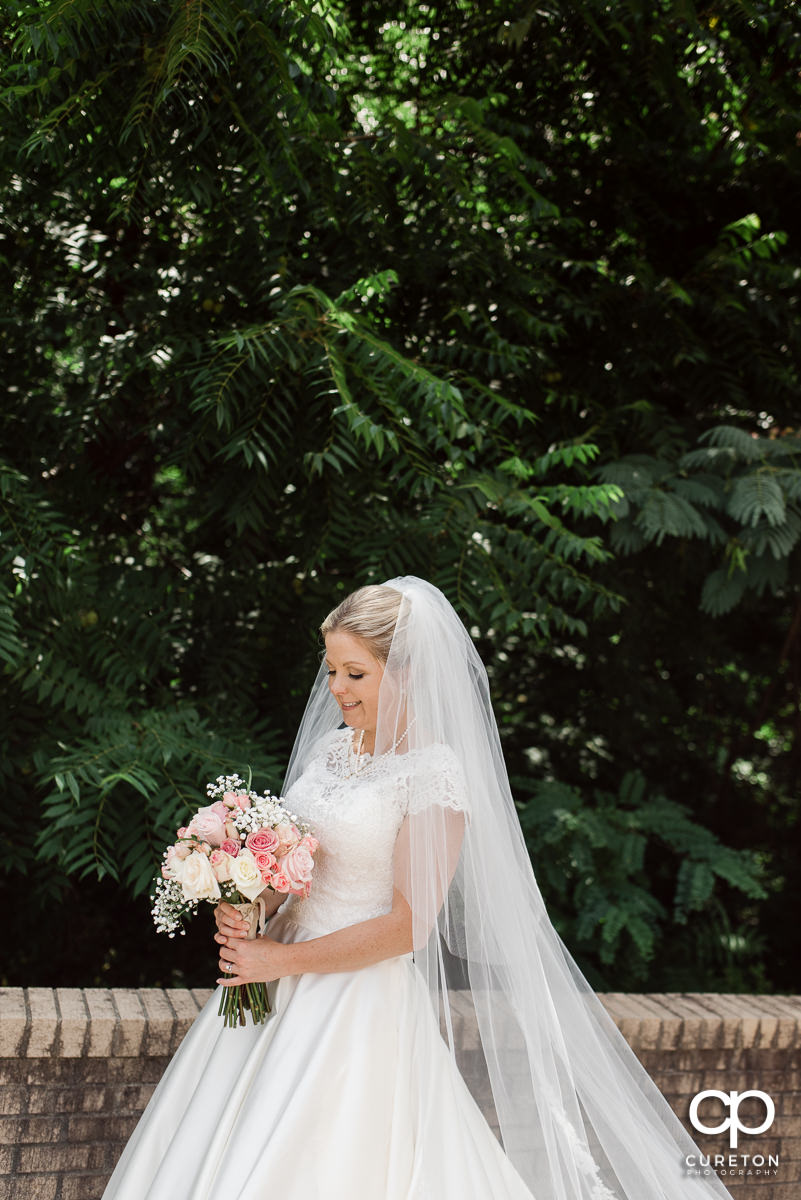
x=235 y=1001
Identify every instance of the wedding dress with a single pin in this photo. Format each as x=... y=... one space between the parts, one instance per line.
x=355 y=1087
x=321 y=1102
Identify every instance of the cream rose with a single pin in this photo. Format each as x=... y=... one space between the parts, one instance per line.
x=196 y=878
x=246 y=876
x=221 y=865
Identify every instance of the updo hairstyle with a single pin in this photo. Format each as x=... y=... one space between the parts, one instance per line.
x=370 y=614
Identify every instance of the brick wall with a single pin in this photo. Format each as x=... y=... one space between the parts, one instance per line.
x=78 y=1066
x=690 y=1043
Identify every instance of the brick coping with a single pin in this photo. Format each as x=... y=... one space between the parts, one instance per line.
x=149 y=1022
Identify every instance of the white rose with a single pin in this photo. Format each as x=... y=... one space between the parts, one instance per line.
x=245 y=875
x=196 y=877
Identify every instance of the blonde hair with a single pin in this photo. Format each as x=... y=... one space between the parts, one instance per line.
x=371 y=614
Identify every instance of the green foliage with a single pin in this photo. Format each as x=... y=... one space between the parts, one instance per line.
x=119 y=792
x=609 y=866
x=305 y=296
x=751 y=479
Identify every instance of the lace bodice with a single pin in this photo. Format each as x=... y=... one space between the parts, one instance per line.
x=355 y=805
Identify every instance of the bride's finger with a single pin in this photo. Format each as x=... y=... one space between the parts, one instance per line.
x=229 y=929
x=228 y=969
x=230 y=981
x=225 y=913
x=228 y=917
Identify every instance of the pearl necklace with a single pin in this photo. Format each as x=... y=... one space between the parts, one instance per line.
x=357 y=757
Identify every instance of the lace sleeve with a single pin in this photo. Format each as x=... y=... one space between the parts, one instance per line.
x=437 y=779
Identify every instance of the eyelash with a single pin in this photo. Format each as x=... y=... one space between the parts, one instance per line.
x=330 y=673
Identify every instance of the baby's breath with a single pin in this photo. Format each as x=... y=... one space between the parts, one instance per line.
x=170 y=907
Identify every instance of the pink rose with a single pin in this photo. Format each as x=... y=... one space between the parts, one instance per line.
x=182 y=850
x=264 y=840
x=288 y=838
x=265 y=861
x=208 y=826
x=310 y=843
x=182 y=832
x=219 y=808
x=221 y=865
x=231 y=847
x=280 y=883
x=297 y=865
x=239 y=800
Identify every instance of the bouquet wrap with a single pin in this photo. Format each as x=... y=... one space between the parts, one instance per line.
x=255 y=913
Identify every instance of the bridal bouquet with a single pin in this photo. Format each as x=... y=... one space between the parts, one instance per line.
x=234 y=849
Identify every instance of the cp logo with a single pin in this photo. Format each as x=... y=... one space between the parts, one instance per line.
x=732 y=1123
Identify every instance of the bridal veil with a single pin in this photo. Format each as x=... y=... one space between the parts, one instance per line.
x=577 y=1114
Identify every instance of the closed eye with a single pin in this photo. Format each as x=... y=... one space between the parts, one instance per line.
x=330 y=673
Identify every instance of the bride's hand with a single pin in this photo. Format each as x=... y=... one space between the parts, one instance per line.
x=256 y=961
x=230 y=923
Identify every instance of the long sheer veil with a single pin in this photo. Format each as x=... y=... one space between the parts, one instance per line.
x=576 y=1112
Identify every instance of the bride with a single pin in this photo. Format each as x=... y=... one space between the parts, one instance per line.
x=424 y=918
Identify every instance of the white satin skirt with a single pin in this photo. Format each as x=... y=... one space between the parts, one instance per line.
x=347 y=1092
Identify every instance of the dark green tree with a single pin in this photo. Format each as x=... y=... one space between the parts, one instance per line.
x=302 y=297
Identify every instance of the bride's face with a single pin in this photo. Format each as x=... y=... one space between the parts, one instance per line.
x=354 y=677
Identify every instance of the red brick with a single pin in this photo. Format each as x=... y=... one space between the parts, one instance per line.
x=35 y=1071
x=12 y=1070
x=13 y=1099
x=83 y=1187
x=73 y=1022
x=13 y=1021
x=130 y=1030
x=79 y=1099
x=100 y=1128
x=124 y=1098
x=135 y=1070
x=103 y=1022
x=33 y=1187
x=96 y=1070
x=160 y=1024
x=60 y=1158
x=16 y=1130
x=44 y=1020
x=771 y=1060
